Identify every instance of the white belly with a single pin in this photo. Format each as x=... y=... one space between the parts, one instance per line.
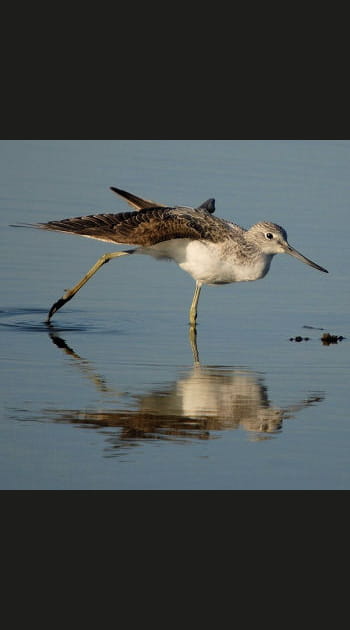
x=207 y=263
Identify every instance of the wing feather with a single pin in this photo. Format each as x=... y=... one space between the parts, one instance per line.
x=145 y=227
x=136 y=202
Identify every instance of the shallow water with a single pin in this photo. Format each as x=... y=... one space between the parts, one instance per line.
x=256 y=410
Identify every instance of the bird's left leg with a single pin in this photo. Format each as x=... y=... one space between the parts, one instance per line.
x=71 y=292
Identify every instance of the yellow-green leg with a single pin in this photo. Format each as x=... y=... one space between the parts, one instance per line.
x=71 y=292
x=193 y=309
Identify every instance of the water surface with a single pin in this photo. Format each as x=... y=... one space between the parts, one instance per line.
x=112 y=396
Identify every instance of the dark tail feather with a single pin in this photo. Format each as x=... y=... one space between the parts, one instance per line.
x=208 y=205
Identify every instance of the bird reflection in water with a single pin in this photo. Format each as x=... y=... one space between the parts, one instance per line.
x=201 y=402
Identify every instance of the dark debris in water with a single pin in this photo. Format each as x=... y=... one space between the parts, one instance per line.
x=298 y=339
x=327 y=339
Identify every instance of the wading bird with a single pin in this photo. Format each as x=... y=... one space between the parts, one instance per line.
x=212 y=250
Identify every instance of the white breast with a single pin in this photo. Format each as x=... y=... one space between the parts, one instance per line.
x=209 y=263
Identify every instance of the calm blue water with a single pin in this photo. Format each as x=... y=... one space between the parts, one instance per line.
x=110 y=397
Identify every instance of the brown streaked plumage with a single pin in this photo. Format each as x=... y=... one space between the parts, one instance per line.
x=210 y=249
x=145 y=227
x=150 y=224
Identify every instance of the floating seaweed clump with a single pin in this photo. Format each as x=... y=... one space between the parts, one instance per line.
x=327 y=339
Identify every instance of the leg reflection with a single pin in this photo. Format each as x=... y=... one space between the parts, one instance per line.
x=193 y=342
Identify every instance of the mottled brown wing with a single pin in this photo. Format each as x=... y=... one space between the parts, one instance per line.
x=145 y=227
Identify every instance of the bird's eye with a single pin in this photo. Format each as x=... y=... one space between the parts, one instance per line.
x=269 y=236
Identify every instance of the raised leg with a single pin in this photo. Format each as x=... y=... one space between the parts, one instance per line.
x=71 y=292
x=193 y=309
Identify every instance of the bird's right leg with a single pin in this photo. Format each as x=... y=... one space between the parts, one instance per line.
x=71 y=292
x=193 y=309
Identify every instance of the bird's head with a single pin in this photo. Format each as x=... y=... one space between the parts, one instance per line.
x=272 y=239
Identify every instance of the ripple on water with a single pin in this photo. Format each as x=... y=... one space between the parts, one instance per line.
x=34 y=320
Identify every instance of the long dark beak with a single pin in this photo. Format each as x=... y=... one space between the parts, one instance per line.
x=293 y=252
